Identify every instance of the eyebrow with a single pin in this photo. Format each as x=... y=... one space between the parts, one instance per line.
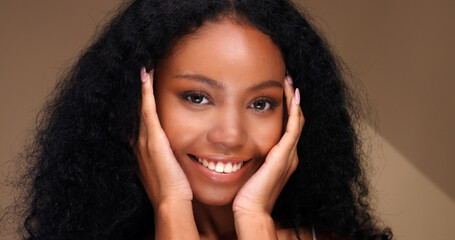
x=202 y=79
x=214 y=83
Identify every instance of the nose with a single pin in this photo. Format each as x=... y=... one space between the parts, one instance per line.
x=227 y=130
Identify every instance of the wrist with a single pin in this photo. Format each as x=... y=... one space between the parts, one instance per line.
x=171 y=206
x=254 y=225
x=174 y=201
x=260 y=217
x=174 y=219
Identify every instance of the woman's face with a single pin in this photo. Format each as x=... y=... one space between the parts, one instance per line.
x=219 y=98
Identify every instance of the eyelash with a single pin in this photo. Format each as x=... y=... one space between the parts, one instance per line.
x=187 y=95
x=271 y=104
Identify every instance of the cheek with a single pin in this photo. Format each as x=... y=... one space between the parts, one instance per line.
x=266 y=133
x=182 y=128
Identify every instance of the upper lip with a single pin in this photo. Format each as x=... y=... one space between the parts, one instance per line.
x=222 y=158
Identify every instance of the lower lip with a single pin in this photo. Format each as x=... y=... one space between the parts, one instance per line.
x=220 y=177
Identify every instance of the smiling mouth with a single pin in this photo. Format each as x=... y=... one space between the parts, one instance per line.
x=218 y=166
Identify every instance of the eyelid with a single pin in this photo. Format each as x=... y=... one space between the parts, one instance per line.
x=273 y=103
x=185 y=94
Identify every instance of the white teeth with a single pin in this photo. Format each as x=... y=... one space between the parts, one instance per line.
x=212 y=166
x=220 y=166
x=228 y=168
x=237 y=166
x=205 y=163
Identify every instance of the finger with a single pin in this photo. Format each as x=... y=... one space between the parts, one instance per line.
x=301 y=124
x=288 y=91
x=142 y=130
x=149 y=115
x=293 y=126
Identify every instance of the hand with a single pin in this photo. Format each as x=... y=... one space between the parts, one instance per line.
x=159 y=171
x=259 y=194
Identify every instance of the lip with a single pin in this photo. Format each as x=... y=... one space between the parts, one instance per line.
x=217 y=177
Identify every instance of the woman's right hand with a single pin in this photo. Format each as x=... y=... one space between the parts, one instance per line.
x=164 y=180
x=159 y=171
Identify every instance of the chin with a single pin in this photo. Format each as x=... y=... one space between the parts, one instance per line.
x=215 y=197
x=214 y=201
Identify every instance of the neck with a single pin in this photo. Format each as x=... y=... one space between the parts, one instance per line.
x=214 y=222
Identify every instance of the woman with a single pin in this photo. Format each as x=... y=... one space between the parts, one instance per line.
x=180 y=122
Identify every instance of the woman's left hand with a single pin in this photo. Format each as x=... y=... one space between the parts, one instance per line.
x=256 y=198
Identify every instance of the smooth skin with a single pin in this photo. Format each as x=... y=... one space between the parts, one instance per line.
x=219 y=93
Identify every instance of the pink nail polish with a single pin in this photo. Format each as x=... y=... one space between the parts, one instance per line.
x=143 y=75
x=289 y=79
x=297 y=96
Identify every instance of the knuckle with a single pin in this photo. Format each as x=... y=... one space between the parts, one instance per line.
x=144 y=90
x=295 y=134
x=141 y=152
x=147 y=114
x=294 y=164
x=141 y=142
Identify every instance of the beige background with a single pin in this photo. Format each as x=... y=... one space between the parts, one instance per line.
x=401 y=51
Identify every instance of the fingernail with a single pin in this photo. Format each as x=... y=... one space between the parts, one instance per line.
x=297 y=96
x=289 y=79
x=144 y=77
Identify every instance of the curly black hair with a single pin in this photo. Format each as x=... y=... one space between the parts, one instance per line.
x=82 y=167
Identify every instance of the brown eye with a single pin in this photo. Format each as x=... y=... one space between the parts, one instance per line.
x=197 y=98
x=260 y=105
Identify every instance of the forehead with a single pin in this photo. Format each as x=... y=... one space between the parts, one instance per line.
x=226 y=50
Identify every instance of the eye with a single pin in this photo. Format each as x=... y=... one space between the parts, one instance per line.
x=197 y=98
x=261 y=105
